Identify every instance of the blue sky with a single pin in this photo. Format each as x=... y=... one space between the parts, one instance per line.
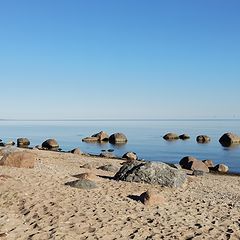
x=119 y=59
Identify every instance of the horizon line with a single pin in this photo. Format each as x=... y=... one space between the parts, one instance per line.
x=121 y=119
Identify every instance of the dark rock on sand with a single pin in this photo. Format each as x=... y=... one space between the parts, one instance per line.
x=203 y=139
x=192 y=163
x=229 y=139
x=50 y=144
x=130 y=156
x=117 y=138
x=171 y=136
x=198 y=173
x=23 y=142
x=82 y=183
x=152 y=173
x=184 y=137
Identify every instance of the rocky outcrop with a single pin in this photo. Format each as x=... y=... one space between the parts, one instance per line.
x=23 y=142
x=171 y=136
x=229 y=139
x=19 y=159
x=152 y=173
x=192 y=163
x=203 y=139
x=130 y=156
x=117 y=138
x=50 y=144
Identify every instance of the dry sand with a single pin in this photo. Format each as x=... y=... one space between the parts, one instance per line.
x=35 y=204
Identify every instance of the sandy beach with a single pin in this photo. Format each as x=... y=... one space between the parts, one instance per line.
x=36 y=204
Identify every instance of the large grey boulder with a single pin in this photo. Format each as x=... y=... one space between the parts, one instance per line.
x=117 y=138
x=229 y=139
x=152 y=173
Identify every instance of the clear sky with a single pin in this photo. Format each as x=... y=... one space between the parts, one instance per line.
x=74 y=59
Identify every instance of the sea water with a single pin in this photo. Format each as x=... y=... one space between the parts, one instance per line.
x=145 y=137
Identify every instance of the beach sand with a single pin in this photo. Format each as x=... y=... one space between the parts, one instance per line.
x=35 y=204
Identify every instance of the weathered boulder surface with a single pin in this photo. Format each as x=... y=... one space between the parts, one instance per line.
x=229 y=139
x=171 y=136
x=203 y=139
x=152 y=173
x=50 y=144
x=19 y=159
x=23 y=142
x=130 y=156
x=192 y=163
x=184 y=136
x=118 y=138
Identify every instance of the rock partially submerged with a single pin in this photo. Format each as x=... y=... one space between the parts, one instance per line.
x=107 y=155
x=117 y=138
x=203 y=139
x=98 y=137
x=152 y=173
x=171 y=136
x=229 y=139
x=184 y=136
x=221 y=168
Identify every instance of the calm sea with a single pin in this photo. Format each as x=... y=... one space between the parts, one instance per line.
x=144 y=137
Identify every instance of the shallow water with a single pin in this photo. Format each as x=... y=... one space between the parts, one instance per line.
x=144 y=137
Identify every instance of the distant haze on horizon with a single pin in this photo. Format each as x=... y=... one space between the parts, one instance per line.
x=125 y=59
